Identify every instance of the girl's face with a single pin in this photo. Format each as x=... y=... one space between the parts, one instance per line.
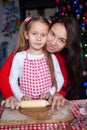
x=37 y=37
x=57 y=38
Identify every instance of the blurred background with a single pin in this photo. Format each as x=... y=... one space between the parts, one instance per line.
x=13 y=12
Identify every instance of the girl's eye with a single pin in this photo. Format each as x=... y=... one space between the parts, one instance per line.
x=43 y=35
x=34 y=33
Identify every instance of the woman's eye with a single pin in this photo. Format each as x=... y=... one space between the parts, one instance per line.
x=52 y=34
x=62 y=40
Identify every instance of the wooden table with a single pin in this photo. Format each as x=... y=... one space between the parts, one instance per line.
x=76 y=124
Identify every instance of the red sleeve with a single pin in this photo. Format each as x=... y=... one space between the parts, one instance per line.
x=64 y=73
x=4 y=78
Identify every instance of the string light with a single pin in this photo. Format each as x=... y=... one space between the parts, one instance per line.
x=85 y=84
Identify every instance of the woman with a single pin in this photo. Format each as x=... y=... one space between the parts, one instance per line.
x=64 y=37
x=68 y=44
x=63 y=40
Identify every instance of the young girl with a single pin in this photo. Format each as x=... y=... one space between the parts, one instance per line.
x=34 y=73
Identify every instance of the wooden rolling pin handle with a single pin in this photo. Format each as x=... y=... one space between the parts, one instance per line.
x=33 y=103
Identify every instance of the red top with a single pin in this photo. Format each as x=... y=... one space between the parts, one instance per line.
x=4 y=78
x=5 y=70
x=64 y=72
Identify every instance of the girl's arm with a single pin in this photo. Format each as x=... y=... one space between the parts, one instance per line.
x=15 y=73
x=4 y=78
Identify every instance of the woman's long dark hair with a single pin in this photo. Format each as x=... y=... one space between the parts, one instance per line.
x=72 y=55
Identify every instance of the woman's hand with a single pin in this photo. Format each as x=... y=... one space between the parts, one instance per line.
x=11 y=102
x=56 y=101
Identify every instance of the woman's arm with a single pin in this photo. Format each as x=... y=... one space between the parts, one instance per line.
x=4 y=78
x=63 y=68
x=58 y=74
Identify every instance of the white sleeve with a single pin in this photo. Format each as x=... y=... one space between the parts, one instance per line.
x=52 y=90
x=14 y=75
x=58 y=73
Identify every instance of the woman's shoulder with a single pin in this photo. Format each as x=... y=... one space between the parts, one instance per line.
x=59 y=56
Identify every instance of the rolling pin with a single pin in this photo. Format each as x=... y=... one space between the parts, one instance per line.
x=33 y=103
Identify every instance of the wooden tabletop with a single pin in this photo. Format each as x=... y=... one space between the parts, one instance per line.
x=78 y=123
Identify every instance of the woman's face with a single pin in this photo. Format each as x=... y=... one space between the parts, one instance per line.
x=57 y=38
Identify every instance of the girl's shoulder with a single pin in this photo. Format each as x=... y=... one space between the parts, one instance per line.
x=53 y=56
x=21 y=53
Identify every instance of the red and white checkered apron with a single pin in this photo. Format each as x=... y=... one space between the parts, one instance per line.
x=36 y=78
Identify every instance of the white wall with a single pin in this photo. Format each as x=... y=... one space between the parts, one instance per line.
x=11 y=41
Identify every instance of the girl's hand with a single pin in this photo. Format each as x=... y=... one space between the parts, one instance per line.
x=57 y=101
x=25 y=98
x=45 y=96
x=11 y=102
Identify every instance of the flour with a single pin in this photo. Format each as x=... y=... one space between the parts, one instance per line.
x=11 y=117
